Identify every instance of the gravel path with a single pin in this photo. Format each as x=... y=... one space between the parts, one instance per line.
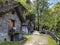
x=37 y=40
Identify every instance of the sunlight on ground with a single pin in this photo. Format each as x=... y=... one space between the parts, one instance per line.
x=36 y=32
x=40 y=39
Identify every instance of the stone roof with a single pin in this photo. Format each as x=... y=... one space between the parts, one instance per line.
x=6 y=8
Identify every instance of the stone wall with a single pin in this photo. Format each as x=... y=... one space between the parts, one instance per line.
x=4 y=25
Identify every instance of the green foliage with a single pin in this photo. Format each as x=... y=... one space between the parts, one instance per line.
x=42 y=14
x=55 y=11
x=2 y=1
x=31 y=17
x=51 y=18
x=23 y=2
x=30 y=10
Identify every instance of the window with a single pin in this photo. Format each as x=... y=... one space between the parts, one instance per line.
x=13 y=12
x=11 y=23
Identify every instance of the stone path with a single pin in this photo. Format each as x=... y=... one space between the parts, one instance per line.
x=37 y=40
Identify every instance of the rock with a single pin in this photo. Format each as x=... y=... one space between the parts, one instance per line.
x=36 y=32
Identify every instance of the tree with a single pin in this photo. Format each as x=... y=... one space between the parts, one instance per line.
x=56 y=13
x=51 y=18
x=42 y=7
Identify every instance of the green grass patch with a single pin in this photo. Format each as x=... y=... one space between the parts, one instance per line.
x=10 y=43
x=51 y=41
x=29 y=37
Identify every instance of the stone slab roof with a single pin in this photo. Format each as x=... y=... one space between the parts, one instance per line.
x=6 y=8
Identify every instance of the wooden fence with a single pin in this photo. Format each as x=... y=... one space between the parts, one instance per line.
x=52 y=34
x=54 y=37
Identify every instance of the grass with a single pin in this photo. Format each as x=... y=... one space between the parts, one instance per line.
x=51 y=41
x=29 y=37
x=10 y=43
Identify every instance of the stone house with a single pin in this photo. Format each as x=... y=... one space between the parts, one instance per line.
x=25 y=27
x=28 y=25
x=15 y=12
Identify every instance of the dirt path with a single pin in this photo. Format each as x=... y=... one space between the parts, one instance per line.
x=37 y=40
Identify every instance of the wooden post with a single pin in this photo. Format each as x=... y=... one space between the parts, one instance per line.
x=59 y=42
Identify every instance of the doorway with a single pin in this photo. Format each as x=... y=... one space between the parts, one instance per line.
x=11 y=24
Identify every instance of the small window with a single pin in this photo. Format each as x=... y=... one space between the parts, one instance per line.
x=11 y=23
x=6 y=2
x=13 y=12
